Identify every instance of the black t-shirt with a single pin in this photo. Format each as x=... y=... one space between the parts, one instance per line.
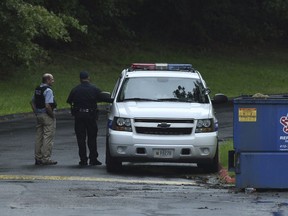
x=86 y=95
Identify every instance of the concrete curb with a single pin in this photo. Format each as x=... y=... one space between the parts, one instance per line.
x=15 y=116
x=102 y=108
x=25 y=115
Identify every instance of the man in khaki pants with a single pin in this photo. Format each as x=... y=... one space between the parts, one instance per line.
x=43 y=105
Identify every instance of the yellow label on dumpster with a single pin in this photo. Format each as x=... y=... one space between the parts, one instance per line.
x=247 y=114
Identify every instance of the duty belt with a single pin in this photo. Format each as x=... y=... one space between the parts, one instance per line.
x=86 y=110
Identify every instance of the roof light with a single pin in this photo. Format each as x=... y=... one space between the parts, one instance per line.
x=178 y=67
x=161 y=66
x=143 y=66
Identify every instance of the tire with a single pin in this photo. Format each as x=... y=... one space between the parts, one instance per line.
x=112 y=164
x=213 y=166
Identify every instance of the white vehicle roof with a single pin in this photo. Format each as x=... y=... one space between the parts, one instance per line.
x=162 y=70
x=152 y=73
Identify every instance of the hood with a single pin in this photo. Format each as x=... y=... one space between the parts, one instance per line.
x=171 y=110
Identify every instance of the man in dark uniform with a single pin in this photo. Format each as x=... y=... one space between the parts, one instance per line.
x=83 y=100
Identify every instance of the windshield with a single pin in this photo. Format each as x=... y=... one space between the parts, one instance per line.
x=163 y=89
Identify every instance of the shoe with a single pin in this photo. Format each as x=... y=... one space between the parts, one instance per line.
x=95 y=163
x=83 y=163
x=38 y=162
x=49 y=162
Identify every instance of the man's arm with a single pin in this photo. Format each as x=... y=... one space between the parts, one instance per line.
x=70 y=97
x=49 y=110
x=105 y=97
x=49 y=98
x=33 y=106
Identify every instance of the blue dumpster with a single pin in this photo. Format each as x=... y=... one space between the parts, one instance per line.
x=260 y=156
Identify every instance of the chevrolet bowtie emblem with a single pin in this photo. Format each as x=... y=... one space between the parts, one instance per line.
x=163 y=125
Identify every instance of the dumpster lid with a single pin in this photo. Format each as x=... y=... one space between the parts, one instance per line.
x=262 y=99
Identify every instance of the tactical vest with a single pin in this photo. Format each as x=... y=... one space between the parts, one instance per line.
x=40 y=99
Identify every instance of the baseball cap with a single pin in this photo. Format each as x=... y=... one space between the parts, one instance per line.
x=84 y=75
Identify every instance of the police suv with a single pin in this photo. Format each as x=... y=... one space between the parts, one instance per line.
x=162 y=113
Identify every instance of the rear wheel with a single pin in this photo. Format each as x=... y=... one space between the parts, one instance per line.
x=112 y=163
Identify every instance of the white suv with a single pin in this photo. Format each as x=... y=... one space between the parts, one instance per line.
x=162 y=113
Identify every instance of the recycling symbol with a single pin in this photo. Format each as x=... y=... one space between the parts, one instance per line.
x=284 y=122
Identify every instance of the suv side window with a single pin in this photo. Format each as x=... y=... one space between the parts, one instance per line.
x=116 y=87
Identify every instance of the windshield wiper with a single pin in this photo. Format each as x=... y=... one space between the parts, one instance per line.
x=168 y=99
x=138 y=99
x=175 y=99
x=159 y=100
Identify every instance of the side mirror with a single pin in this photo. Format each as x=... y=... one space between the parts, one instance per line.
x=207 y=91
x=219 y=98
x=105 y=96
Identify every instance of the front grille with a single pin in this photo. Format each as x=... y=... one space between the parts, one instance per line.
x=164 y=131
x=164 y=126
x=165 y=120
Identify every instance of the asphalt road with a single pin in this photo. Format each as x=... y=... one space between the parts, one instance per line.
x=69 y=190
x=17 y=143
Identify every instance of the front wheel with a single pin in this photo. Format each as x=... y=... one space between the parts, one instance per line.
x=212 y=166
x=112 y=164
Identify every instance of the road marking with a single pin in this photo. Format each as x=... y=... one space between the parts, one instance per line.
x=79 y=178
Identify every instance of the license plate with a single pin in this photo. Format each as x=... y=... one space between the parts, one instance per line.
x=163 y=153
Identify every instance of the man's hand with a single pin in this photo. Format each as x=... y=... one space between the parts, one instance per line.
x=49 y=110
x=33 y=107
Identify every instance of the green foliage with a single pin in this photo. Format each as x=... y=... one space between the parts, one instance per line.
x=22 y=23
x=107 y=20
x=28 y=26
x=226 y=21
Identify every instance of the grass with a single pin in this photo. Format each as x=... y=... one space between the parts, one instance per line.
x=231 y=72
x=224 y=148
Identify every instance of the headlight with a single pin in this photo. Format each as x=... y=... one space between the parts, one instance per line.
x=205 y=125
x=121 y=124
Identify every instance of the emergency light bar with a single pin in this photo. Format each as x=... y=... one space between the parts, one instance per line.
x=161 y=66
x=143 y=66
x=176 y=67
